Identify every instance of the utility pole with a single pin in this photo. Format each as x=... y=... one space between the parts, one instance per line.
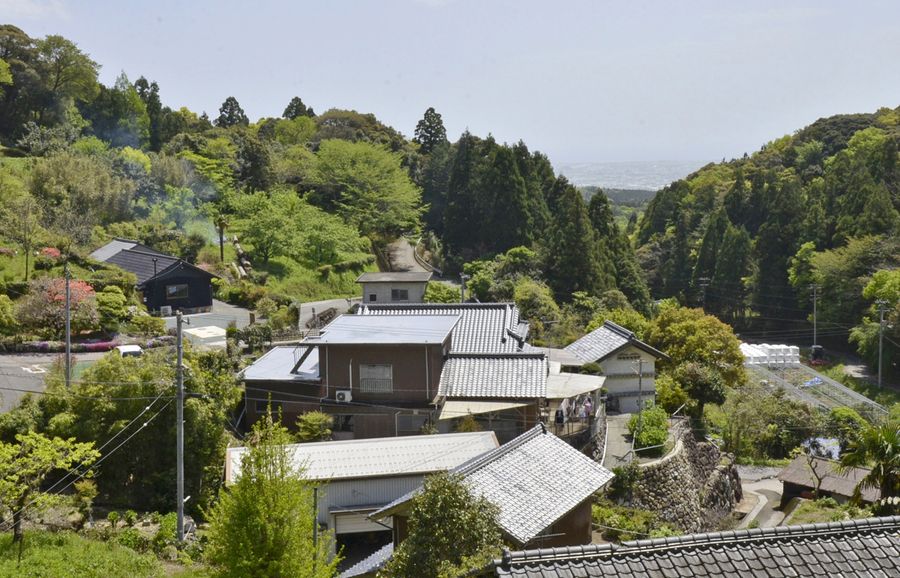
x=179 y=427
x=640 y=393
x=462 y=287
x=704 y=283
x=315 y=527
x=68 y=330
x=882 y=307
x=815 y=290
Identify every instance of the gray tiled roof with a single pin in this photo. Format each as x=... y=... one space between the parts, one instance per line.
x=516 y=375
x=371 y=564
x=534 y=480
x=852 y=548
x=482 y=328
x=606 y=340
x=395 y=277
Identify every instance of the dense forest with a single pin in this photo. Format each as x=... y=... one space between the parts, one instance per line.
x=756 y=237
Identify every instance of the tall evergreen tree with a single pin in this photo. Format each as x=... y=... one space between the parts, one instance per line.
x=571 y=257
x=461 y=219
x=149 y=94
x=509 y=223
x=707 y=256
x=435 y=180
x=727 y=293
x=296 y=108
x=430 y=131
x=231 y=114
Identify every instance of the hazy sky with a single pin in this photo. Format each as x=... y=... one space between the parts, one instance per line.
x=581 y=81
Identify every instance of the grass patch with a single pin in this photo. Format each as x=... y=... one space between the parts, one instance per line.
x=827 y=510
x=65 y=554
x=885 y=396
x=620 y=523
x=764 y=462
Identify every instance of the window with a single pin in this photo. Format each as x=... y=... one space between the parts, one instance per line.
x=628 y=356
x=176 y=292
x=376 y=378
x=373 y=297
x=399 y=294
x=262 y=407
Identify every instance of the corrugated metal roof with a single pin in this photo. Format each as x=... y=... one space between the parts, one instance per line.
x=534 y=480
x=401 y=329
x=395 y=277
x=277 y=363
x=515 y=375
x=848 y=549
x=482 y=328
x=378 y=457
x=371 y=564
x=606 y=340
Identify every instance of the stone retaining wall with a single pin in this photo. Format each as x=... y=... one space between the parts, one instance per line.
x=693 y=487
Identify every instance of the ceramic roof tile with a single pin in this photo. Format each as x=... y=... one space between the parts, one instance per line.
x=604 y=341
x=378 y=457
x=830 y=549
x=534 y=480
x=494 y=376
x=371 y=563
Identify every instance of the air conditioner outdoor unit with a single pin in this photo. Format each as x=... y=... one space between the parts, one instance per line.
x=165 y=310
x=343 y=395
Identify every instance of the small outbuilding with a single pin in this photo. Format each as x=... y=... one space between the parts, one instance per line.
x=394 y=287
x=167 y=283
x=798 y=479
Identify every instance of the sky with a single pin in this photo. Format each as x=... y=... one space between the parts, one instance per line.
x=582 y=81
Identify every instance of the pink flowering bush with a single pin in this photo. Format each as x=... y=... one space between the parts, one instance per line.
x=43 y=309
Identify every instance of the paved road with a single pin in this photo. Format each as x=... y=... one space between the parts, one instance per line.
x=400 y=254
x=26 y=371
x=618 y=441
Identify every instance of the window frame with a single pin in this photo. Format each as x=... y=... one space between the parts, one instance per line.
x=178 y=296
x=376 y=384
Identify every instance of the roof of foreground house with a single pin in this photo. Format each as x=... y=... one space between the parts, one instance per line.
x=850 y=548
x=516 y=375
x=378 y=457
x=482 y=328
x=833 y=481
x=606 y=340
x=534 y=480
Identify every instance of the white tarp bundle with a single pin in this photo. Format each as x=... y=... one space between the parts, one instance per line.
x=770 y=355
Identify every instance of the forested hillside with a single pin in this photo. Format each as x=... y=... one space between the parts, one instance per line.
x=816 y=208
x=313 y=198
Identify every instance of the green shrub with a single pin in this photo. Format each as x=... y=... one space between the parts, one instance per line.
x=146 y=326
x=165 y=535
x=131 y=518
x=654 y=427
x=113 y=518
x=132 y=538
x=314 y=426
x=620 y=523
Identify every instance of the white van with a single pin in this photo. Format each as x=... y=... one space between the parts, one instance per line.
x=130 y=350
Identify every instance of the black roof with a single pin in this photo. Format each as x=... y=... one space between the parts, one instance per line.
x=144 y=262
x=869 y=547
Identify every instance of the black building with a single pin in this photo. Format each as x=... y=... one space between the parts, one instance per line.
x=166 y=282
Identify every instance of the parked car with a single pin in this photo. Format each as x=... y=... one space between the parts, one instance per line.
x=130 y=350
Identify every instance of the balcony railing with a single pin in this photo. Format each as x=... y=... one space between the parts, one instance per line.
x=373 y=385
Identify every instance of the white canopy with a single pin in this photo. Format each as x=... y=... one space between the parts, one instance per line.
x=564 y=385
x=455 y=409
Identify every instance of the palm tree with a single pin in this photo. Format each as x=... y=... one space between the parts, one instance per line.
x=878 y=447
